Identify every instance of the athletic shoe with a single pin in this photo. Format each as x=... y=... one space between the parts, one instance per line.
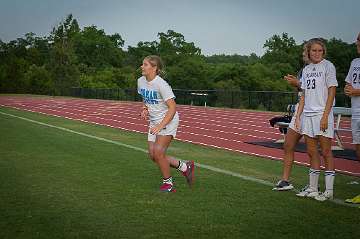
x=167 y=187
x=283 y=185
x=307 y=191
x=189 y=173
x=353 y=200
x=324 y=196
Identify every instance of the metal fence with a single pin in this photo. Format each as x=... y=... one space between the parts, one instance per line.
x=260 y=100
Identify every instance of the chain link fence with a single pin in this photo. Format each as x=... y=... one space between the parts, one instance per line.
x=259 y=100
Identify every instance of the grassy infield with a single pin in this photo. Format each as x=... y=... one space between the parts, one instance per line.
x=55 y=184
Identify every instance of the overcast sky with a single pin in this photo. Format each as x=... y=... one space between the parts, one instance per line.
x=216 y=26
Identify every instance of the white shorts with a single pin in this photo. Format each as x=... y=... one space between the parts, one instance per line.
x=292 y=122
x=310 y=126
x=170 y=128
x=355 y=128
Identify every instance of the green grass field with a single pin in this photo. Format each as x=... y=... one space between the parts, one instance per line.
x=57 y=184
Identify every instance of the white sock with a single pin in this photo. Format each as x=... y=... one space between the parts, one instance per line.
x=182 y=166
x=314 y=178
x=329 y=180
x=168 y=180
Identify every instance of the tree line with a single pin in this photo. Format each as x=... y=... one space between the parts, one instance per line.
x=89 y=58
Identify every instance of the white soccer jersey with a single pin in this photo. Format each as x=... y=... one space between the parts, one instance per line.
x=316 y=79
x=155 y=93
x=353 y=78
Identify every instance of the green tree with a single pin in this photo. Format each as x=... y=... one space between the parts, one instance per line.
x=38 y=80
x=340 y=54
x=173 y=48
x=230 y=76
x=12 y=75
x=63 y=61
x=135 y=55
x=38 y=49
x=190 y=73
x=283 y=49
x=96 y=49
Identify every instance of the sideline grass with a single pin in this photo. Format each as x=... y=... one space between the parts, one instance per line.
x=56 y=184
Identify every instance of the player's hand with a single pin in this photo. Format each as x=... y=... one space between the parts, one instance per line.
x=348 y=90
x=156 y=129
x=144 y=113
x=292 y=80
x=324 y=123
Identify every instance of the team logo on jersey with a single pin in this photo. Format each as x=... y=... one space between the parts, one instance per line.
x=314 y=74
x=149 y=96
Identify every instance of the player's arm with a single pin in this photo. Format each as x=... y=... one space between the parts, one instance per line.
x=293 y=81
x=349 y=90
x=168 y=116
x=328 y=106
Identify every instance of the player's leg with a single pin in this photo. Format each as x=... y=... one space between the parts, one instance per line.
x=314 y=172
x=159 y=148
x=151 y=151
x=174 y=163
x=151 y=142
x=355 y=128
x=325 y=144
x=291 y=139
x=185 y=167
x=312 y=151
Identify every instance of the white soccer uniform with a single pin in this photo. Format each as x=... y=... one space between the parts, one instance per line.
x=353 y=78
x=155 y=93
x=316 y=80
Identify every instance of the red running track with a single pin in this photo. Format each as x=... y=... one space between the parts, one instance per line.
x=221 y=128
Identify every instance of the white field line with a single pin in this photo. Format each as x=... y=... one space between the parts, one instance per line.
x=208 y=167
x=184 y=140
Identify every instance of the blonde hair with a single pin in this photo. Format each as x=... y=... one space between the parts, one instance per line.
x=155 y=61
x=313 y=41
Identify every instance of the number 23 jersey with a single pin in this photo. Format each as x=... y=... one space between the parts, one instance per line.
x=315 y=82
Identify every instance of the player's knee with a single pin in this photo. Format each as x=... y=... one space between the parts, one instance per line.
x=288 y=147
x=312 y=154
x=152 y=157
x=159 y=155
x=326 y=153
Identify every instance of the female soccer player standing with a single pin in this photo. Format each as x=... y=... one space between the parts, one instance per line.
x=160 y=106
x=317 y=124
x=293 y=135
x=352 y=89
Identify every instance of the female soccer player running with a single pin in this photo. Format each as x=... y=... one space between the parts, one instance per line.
x=160 y=106
x=293 y=135
x=317 y=124
x=352 y=89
